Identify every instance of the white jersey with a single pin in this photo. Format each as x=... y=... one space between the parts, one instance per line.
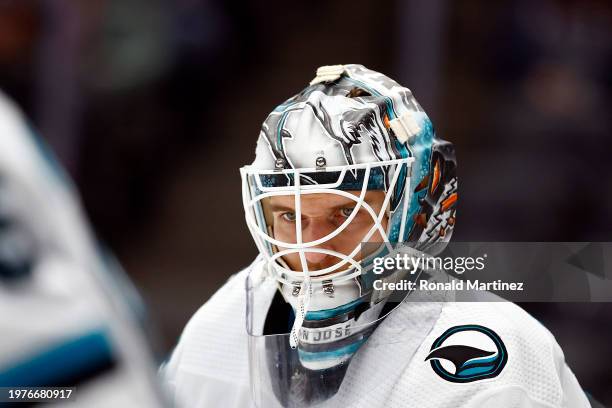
x=411 y=360
x=64 y=319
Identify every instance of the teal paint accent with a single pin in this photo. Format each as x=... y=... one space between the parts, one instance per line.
x=421 y=150
x=327 y=313
x=330 y=355
x=388 y=101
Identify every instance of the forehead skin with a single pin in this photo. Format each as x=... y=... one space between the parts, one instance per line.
x=321 y=203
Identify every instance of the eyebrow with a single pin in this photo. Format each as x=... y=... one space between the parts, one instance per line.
x=279 y=207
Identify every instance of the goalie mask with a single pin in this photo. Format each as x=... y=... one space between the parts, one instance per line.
x=351 y=159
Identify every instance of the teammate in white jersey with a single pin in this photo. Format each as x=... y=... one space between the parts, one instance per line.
x=353 y=159
x=66 y=315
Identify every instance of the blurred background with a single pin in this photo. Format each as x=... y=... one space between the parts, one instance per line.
x=153 y=105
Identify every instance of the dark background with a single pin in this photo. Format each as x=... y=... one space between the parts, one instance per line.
x=153 y=105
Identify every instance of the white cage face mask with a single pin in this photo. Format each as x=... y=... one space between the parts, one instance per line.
x=353 y=204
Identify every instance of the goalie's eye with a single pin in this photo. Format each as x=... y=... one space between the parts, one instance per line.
x=288 y=216
x=347 y=211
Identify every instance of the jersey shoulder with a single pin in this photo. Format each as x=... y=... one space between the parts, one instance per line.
x=516 y=330
x=494 y=347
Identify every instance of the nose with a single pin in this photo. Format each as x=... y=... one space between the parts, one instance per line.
x=315 y=257
x=317 y=229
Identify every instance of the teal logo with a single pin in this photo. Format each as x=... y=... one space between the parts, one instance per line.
x=468 y=353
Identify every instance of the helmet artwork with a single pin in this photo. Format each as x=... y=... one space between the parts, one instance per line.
x=350 y=133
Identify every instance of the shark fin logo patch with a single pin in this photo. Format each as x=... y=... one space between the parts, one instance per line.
x=468 y=353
